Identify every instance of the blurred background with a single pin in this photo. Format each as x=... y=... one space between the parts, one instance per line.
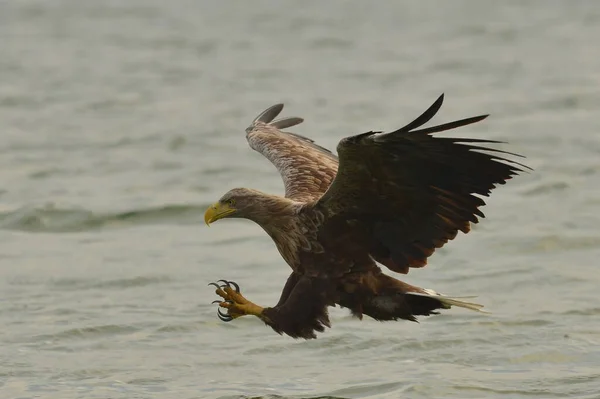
x=121 y=121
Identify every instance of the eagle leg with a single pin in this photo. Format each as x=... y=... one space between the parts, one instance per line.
x=234 y=302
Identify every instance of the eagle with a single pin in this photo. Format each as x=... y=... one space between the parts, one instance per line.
x=386 y=199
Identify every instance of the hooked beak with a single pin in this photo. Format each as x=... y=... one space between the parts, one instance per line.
x=217 y=211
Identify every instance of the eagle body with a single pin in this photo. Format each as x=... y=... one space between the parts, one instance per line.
x=387 y=199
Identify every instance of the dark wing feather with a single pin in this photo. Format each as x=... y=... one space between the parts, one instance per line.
x=408 y=192
x=306 y=168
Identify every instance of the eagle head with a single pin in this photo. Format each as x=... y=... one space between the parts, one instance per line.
x=236 y=203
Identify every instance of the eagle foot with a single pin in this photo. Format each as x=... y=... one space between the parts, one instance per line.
x=234 y=302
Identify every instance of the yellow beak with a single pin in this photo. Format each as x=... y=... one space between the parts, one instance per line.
x=217 y=211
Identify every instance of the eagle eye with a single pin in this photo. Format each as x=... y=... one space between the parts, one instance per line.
x=231 y=202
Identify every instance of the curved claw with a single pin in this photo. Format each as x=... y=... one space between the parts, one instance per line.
x=223 y=316
x=216 y=301
x=235 y=286
x=225 y=283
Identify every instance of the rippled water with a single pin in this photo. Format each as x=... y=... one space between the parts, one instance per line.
x=121 y=121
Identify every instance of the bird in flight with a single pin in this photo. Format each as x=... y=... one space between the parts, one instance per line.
x=387 y=199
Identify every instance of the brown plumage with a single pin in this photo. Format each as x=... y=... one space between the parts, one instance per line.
x=391 y=198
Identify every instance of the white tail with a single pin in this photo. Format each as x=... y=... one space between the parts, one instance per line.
x=450 y=301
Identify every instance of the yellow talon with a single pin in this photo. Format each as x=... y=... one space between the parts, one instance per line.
x=235 y=303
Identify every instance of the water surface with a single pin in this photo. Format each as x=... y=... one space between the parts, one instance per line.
x=120 y=122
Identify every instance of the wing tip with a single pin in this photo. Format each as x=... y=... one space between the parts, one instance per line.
x=424 y=117
x=440 y=99
x=269 y=114
x=284 y=123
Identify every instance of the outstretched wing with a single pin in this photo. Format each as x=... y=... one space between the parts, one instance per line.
x=306 y=168
x=407 y=192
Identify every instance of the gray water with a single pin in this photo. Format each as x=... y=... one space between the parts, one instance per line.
x=121 y=121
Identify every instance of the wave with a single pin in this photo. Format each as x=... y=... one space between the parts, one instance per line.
x=279 y=397
x=80 y=283
x=49 y=219
x=89 y=332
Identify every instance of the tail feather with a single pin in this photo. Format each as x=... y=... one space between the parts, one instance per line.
x=449 y=301
x=383 y=297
